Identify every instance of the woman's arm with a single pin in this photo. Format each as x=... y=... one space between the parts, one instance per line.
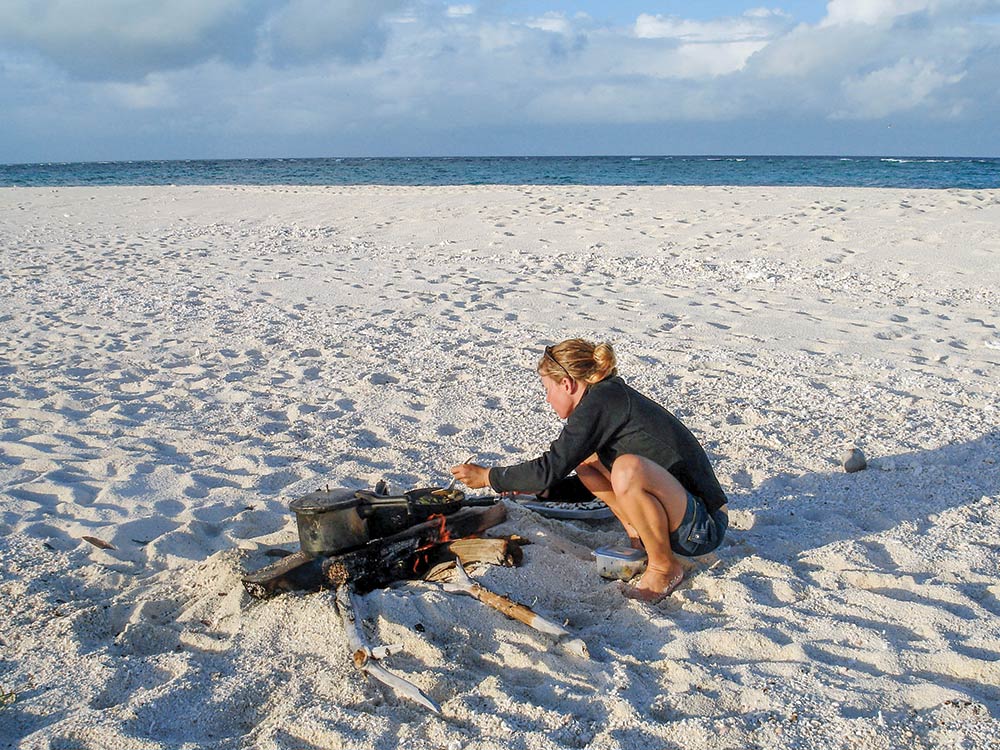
x=472 y=476
x=592 y=425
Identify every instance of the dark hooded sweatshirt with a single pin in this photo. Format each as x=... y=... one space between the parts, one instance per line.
x=611 y=420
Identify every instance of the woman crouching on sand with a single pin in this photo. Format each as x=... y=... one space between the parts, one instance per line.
x=629 y=452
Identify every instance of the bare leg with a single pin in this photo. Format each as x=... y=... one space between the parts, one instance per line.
x=597 y=479
x=654 y=503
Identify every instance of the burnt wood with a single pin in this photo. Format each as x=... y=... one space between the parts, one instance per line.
x=293 y=572
x=408 y=553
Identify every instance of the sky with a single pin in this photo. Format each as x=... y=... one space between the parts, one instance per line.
x=93 y=80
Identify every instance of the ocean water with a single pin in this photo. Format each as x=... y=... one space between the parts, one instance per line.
x=831 y=171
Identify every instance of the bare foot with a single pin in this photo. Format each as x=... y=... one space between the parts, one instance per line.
x=655 y=585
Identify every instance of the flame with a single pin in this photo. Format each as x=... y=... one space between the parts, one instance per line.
x=444 y=534
x=421 y=557
x=420 y=561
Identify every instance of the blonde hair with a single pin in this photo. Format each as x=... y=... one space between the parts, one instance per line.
x=580 y=359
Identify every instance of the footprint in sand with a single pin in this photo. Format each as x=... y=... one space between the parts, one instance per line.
x=129 y=682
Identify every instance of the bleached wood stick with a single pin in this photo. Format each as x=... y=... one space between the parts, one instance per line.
x=463 y=584
x=364 y=657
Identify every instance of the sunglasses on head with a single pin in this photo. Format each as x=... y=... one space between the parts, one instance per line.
x=550 y=355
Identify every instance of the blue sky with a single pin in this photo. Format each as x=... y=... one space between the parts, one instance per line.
x=174 y=79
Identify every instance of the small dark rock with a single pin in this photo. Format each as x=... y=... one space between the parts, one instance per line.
x=854 y=460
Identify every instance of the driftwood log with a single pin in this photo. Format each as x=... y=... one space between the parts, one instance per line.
x=461 y=583
x=383 y=560
x=504 y=550
x=365 y=657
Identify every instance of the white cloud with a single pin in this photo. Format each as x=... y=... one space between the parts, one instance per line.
x=331 y=68
x=699 y=61
x=153 y=93
x=128 y=38
x=306 y=30
x=494 y=37
x=633 y=102
x=555 y=23
x=870 y=11
x=698 y=49
x=754 y=25
x=820 y=56
x=900 y=87
x=886 y=11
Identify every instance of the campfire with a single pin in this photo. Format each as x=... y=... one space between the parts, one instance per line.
x=356 y=541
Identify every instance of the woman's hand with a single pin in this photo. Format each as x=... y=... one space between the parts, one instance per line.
x=472 y=476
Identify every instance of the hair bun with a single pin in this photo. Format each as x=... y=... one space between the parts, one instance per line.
x=580 y=359
x=605 y=363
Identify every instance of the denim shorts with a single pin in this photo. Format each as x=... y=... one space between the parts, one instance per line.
x=700 y=532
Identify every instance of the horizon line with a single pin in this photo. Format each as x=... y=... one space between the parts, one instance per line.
x=182 y=160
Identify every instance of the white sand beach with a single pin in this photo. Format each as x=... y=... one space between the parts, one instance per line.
x=178 y=363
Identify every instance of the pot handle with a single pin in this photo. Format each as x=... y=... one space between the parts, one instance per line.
x=370 y=501
x=480 y=502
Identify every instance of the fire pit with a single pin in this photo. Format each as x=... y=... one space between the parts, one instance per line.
x=371 y=540
x=355 y=541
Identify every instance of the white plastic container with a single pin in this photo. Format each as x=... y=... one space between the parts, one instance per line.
x=619 y=562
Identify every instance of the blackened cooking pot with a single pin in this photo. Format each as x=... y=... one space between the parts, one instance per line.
x=329 y=521
x=332 y=521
